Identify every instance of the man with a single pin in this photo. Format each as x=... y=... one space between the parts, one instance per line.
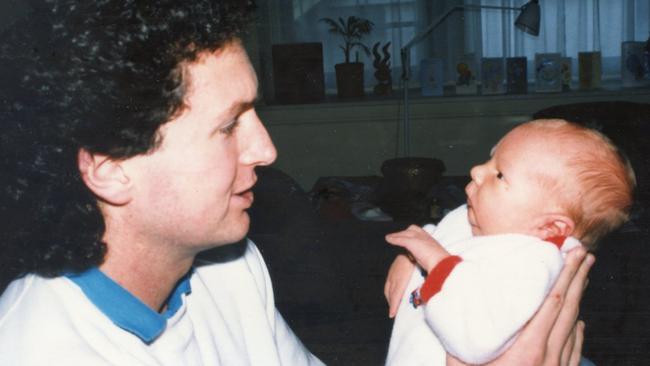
x=184 y=189
x=130 y=147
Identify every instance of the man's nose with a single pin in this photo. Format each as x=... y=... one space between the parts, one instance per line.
x=259 y=148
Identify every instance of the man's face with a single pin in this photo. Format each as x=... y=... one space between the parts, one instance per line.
x=194 y=189
x=506 y=194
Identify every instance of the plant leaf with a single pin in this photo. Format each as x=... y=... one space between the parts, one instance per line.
x=365 y=48
x=335 y=28
x=352 y=30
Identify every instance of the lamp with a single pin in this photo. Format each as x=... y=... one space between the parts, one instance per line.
x=527 y=21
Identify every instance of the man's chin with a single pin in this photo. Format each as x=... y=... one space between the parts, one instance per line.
x=235 y=232
x=221 y=253
x=239 y=230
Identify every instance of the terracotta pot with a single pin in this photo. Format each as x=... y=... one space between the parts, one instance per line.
x=349 y=80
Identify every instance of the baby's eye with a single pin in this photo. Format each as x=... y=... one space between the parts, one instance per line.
x=499 y=175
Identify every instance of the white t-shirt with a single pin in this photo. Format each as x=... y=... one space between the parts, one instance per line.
x=219 y=314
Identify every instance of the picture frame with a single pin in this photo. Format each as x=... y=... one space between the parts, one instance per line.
x=517 y=75
x=548 y=72
x=589 y=70
x=634 y=66
x=432 y=78
x=466 y=72
x=493 y=76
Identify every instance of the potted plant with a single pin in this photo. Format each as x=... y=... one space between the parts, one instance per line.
x=349 y=75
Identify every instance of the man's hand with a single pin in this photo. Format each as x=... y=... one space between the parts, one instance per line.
x=553 y=337
x=425 y=249
x=397 y=280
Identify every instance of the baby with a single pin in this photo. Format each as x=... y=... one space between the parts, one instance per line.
x=548 y=186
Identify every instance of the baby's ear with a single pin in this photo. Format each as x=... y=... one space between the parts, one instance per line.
x=555 y=225
x=105 y=177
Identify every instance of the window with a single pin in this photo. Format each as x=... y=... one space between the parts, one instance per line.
x=567 y=27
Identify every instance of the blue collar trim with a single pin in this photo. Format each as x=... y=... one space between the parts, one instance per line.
x=125 y=310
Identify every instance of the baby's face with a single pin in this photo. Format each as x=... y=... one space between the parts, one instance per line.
x=506 y=194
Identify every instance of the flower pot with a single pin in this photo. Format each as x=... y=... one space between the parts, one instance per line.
x=407 y=184
x=412 y=174
x=349 y=80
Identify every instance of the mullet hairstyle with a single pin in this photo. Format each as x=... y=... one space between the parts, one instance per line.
x=102 y=75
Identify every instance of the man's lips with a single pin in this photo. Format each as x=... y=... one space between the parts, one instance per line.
x=245 y=197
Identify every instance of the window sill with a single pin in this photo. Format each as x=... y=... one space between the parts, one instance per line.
x=382 y=108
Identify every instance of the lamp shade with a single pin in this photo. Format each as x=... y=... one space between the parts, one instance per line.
x=528 y=19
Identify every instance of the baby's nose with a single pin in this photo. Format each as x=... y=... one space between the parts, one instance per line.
x=477 y=173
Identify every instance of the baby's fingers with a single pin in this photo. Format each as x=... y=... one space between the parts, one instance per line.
x=396 y=282
x=410 y=232
x=406 y=237
x=394 y=298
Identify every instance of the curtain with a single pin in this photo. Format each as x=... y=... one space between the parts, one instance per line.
x=567 y=26
x=395 y=21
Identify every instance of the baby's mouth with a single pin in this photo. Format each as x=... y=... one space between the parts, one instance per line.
x=470 y=216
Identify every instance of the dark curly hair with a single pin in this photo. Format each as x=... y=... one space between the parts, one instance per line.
x=103 y=75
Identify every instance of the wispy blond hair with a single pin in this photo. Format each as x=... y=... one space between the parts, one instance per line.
x=598 y=188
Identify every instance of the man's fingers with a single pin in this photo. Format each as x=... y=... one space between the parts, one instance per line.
x=572 y=264
x=538 y=330
x=551 y=307
x=579 y=285
x=568 y=348
x=576 y=352
x=540 y=342
x=569 y=313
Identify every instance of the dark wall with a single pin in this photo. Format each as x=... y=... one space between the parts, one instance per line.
x=11 y=10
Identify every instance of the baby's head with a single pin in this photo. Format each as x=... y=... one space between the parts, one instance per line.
x=551 y=178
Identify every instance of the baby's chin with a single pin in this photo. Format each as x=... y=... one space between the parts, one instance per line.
x=476 y=231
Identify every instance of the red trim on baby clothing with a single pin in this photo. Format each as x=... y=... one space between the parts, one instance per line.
x=437 y=277
x=557 y=240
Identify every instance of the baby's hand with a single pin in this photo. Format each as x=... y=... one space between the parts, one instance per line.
x=397 y=280
x=426 y=250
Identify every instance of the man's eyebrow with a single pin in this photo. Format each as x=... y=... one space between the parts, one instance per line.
x=234 y=111
x=238 y=108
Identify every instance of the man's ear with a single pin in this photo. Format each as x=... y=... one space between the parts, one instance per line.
x=105 y=177
x=552 y=225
